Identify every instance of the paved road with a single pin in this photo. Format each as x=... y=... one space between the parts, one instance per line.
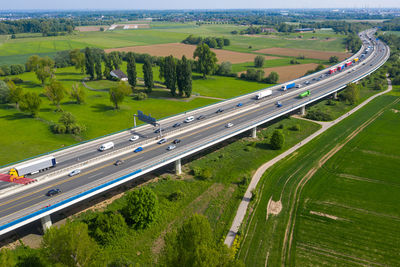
x=33 y=198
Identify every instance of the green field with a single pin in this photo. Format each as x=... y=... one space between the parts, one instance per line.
x=271 y=63
x=216 y=197
x=336 y=211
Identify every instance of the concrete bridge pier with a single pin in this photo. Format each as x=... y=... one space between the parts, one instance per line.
x=335 y=95
x=46 y=222
x=254 y=132
x=303 y=110
x=178 y=167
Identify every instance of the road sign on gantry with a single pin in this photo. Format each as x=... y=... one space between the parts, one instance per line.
x=146 y=118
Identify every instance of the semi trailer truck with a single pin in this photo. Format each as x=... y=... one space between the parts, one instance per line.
x=288 y=86
x=263 y=94
x=33 y=167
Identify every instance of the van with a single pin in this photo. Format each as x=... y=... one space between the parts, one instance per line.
x=189 y=119
x=106 y=146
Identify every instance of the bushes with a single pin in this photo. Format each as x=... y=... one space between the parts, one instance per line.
x=259 y=61
x=277 y=140
x=318 y=115
x=253 y=75
x=175 y=196
x=295 y=127
x=140 y=96
x=202 y=173
x=67 y=125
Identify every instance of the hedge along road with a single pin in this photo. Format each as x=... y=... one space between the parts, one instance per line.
x=241 y=212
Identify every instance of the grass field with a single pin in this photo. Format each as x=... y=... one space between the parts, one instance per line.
x=217 y=197
x=339 y=203
x=275 y=63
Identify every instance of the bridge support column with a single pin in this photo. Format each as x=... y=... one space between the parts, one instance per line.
x=178 y=167
x=46 y=222
x=303 y=110
x=254 y=132
x=335 y=95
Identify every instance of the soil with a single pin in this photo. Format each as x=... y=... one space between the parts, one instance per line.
x=293 y=52
x=179 y=49
x=274 y=207
x=288 y=73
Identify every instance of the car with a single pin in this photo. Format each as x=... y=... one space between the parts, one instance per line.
x=162 y=141
x=118 y=162
x=318 y=79
x=201 y=117
x=74 y=172
x=53 y=192
x=314 y=79
x=138 y=149
x=298 y=85
x=171 y=147
x=219 y=110
x=158 y=130
x=279 y=104
x=229 y=125
x=177 y=124
x=239 y=105
x=134 y=138
x=189 y=119
x=307 y=82
x=176 y=141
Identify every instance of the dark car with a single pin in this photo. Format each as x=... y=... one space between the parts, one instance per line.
x=219 y=110
x=158 y=130
x=53 y=192
x=176 y=141
x=118 y=162
x=239 y=105
x=177 y=124
x=201 y=117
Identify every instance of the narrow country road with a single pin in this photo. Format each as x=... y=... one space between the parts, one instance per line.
x=241 y=212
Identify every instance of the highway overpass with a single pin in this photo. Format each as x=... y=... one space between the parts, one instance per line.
x=20 y=205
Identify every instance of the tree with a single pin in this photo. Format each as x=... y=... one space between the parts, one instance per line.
x=333 y=59
x=194 y=245
x=116 y=59
x=148 y=76
x=89 y=63
x=118 y=93
x=225 y=68
x=32 y=63
x=106 y=226
x=77 y=93
x=67 y=119
x=184 y=77
x=4 y=92
x=70 y=245
x=6 y=258
x=97 y=67
x=31 y=102
x=277 y=140
x=107 y=66
x=206 y=59
x=55 y=92
x=131 y=70
x=43 y=67
x=351 y=93
x=170 y=73
x=141 y=208
x=259 y=61
x=15 y=95
x=44 y=73
x=273 y=77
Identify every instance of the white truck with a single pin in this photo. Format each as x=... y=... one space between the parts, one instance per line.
x=263 y=94
x=106 y=146
x=33 y=167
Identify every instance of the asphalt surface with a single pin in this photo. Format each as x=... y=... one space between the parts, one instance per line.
x=34 y=198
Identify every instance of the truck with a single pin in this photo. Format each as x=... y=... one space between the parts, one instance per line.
x=33 y=167
x=288 y=86
x=341 y=67
x=349 y=63
x=106 y=146
x=332 y=71
x=355 y=59
x=305 y=94
x=263 y=94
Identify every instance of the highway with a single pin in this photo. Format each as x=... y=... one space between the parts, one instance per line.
x=194 y=136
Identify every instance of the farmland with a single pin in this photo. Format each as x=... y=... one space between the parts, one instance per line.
x=339 y=197
x=303 y=52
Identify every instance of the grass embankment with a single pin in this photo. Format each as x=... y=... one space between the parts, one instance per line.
x=347 y=213
x=216 y=197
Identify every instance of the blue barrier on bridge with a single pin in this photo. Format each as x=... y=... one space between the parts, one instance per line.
x=66 y=200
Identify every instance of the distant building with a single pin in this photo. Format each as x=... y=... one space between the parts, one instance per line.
x=119 y=75
x=304 y=30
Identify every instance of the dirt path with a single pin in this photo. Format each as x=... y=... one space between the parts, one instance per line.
x=242 y=209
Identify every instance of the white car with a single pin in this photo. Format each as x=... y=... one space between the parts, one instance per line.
x=171 y=147
x=74 y=172
x=134 y=138
x=229 y=125
x=189 y=119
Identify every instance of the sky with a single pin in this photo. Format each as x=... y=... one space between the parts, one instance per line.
x=191 y=4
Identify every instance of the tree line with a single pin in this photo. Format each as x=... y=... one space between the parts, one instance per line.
x=45 y=26
x=212 y=42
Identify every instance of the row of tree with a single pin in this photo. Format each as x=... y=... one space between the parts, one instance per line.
x=45 y=26
x=212 y=42
x=13 y=69
x=177 y=74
